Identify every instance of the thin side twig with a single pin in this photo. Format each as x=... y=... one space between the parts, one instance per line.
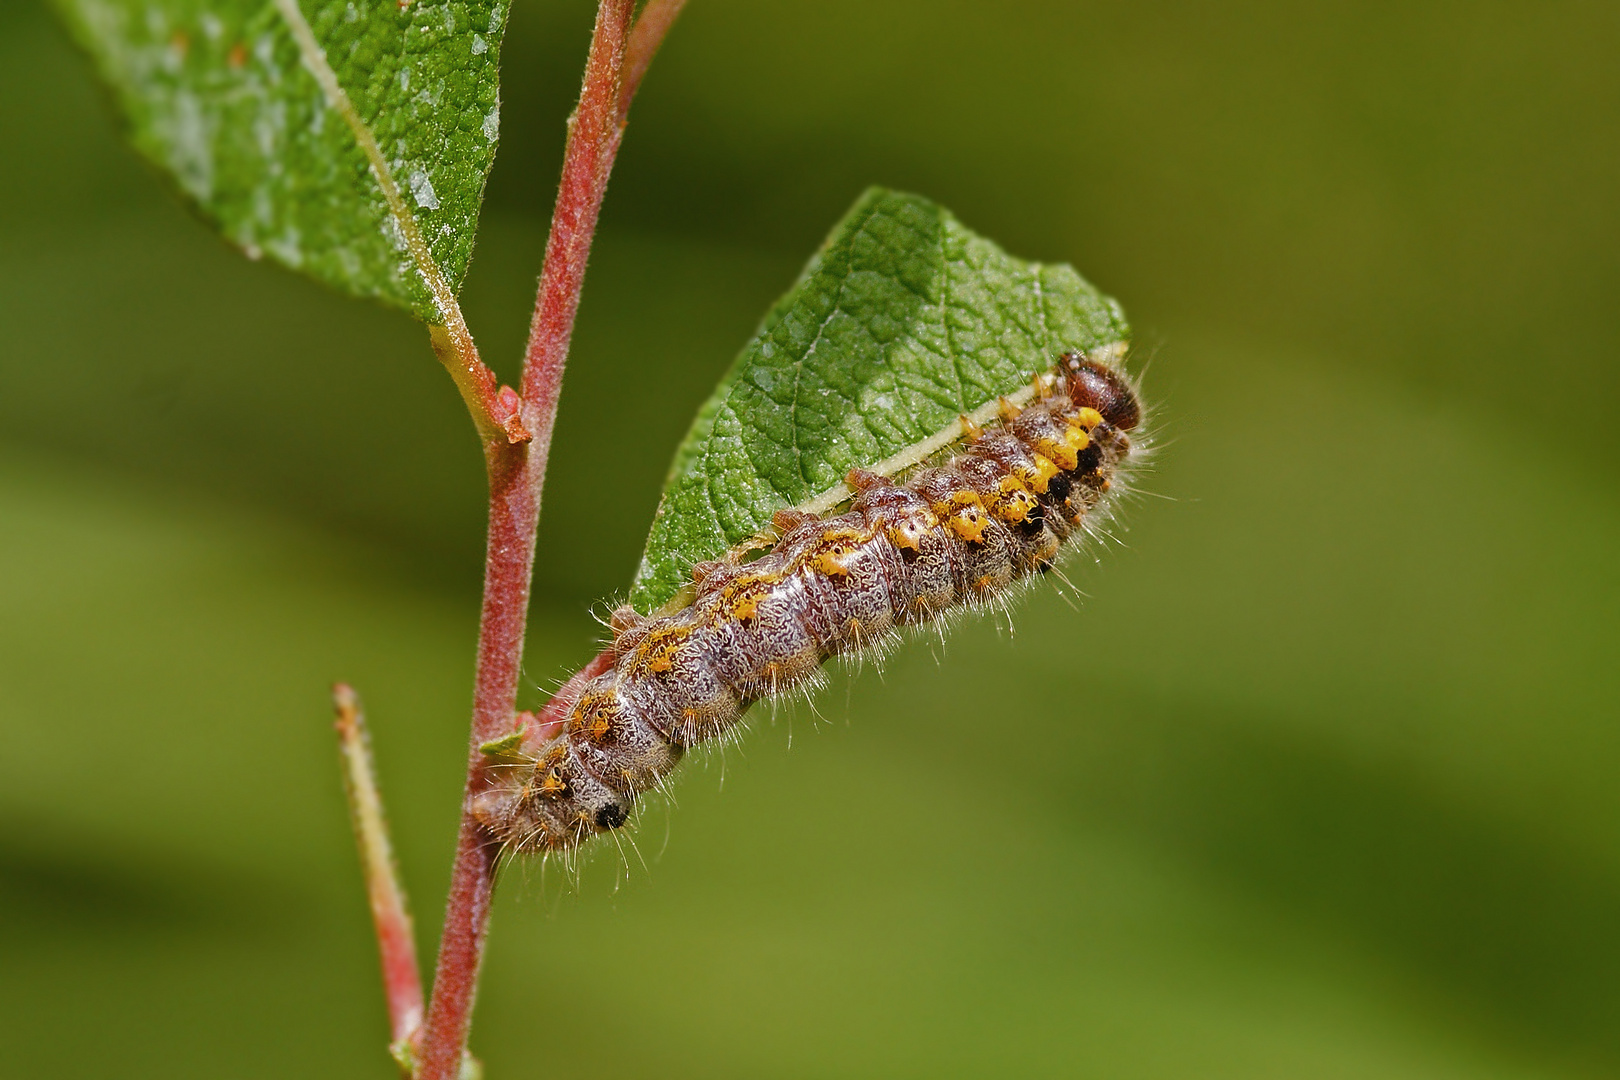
x=648 y=34
x=516 y=482
x=396 y=941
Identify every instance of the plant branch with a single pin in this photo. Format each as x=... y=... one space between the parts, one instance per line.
x=396 y=941
x=594 y=130
x=648 y=34
x=516 y=482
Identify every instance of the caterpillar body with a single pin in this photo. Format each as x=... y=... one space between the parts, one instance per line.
x=903 y=554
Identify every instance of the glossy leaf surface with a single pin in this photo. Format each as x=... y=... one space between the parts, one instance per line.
x=219 y=95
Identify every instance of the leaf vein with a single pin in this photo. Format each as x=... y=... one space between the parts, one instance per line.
x=314 y=58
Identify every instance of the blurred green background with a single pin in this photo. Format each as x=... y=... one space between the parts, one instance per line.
x=1320 y=780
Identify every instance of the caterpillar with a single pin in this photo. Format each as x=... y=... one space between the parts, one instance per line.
x=904 y=554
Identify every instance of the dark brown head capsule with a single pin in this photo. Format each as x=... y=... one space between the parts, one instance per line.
x=1101 y=387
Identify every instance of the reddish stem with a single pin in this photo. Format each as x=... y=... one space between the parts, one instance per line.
x=651 y=25
x=396 y=941
x=593 y=143
x=516 y=481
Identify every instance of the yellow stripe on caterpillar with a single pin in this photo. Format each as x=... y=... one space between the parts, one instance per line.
x=955 y=535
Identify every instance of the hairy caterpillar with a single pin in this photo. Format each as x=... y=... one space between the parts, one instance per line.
x=903 y=554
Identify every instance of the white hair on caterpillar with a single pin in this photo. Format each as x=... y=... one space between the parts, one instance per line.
x=840 y=577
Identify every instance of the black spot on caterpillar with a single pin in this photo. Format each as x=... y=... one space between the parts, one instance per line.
x=903 y=554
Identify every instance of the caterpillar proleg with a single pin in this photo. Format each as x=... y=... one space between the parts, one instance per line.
x=1035 y=467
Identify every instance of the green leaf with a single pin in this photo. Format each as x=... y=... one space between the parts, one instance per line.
x=505 y=748
x=221 y=95
x=902 y=321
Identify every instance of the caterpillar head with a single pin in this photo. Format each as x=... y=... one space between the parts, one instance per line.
x=1096 y=385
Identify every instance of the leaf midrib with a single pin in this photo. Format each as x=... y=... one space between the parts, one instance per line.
x=337 y=98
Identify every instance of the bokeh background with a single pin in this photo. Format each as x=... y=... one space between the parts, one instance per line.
x=1320 y=778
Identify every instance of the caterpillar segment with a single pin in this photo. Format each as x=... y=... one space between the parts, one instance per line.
x=903 y=554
